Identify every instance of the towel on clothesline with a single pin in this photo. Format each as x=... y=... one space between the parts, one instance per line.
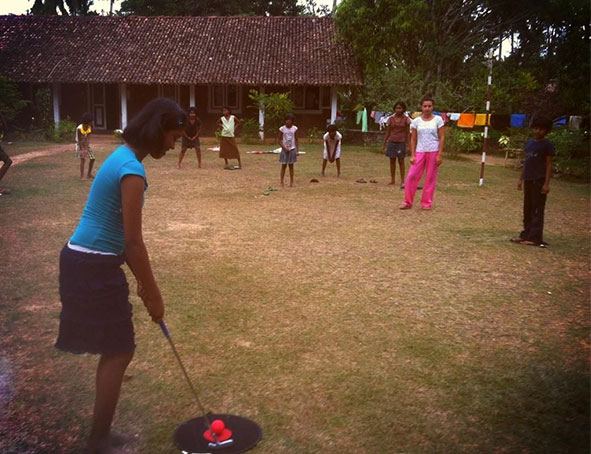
x=415 y=115
x=574 y=123
x=454 y=116
x=500 y=122
x=480 y=120
x=466 y=120
x=517 y=120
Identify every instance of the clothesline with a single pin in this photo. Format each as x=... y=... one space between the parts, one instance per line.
x=470 y=120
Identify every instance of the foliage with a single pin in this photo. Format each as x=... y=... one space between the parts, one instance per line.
x=118 y=134
x=249 y=128
x=65 y=131
x=275 y=105
x=315 y=134
x=458 y=141
x=64 y=7
x=43 y=106
x=11 y=99
x=572 y=152
x=212 y=8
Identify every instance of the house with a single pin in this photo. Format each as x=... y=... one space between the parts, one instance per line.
x=111 y=66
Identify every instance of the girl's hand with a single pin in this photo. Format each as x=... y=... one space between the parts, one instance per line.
x=438 y=161
x=520 y=185
x=413 y=160
x=384 y=149
x=140 y=291
x=155 y=308
x=546 y=189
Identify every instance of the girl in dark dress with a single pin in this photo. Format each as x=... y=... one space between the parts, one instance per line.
x=190 y=137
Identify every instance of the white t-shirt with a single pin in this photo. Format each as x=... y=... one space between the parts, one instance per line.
x=427 y=133
x=332 y=143
x=289 y=136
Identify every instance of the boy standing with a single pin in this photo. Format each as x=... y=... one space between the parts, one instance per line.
x=535 y=181
x=7 y=162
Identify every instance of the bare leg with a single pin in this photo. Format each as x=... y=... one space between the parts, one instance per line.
x=7 y=164
x=402 y=169
x=226 y=162
x=109 y=375
x=324 y=161
x=90 y=165
x=82 y=161
x=181 y=156
x=392 y=171
x=338 y=167
x=239 y=162
x=283 y=167
x=291 y=175
x=198 y=153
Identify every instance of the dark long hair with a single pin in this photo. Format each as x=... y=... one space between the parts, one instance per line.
x=147 y=129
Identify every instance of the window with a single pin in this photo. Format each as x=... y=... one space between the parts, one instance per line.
x=169 y=91
x=224 y=95
x=306 y=98
x=326 y=97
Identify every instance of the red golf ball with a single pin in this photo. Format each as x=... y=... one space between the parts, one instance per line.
x=218 y=426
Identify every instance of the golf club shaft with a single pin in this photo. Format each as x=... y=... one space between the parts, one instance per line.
x=167 y=334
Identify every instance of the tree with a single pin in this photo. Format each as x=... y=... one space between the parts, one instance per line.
x=65 y=7
x=211 y=7
x=11 y=99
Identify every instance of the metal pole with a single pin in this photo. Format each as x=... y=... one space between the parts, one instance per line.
x=489 y=63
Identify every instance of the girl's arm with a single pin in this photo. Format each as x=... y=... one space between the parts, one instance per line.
x=136 y=255
x=280 y=140
x=219 y=123
x=198 y=132
x=413 y=145
x=546 y=187
x=297 y=142
x=236 y=123
x=386 y=135
x=441 y=134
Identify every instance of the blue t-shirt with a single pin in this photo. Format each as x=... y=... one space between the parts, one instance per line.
x=535 y=158
x=101 y=224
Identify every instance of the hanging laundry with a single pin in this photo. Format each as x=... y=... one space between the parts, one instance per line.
x=466 y=120
x=444 y=117
x=454 y=116
x=574 y=123
x=373 y=114
x=359 y=116
x=560 y=121
x=480 y=120
x=364 y=121
x=517 y=120
x=378 y=116
x=415 y=115
x=500 y=122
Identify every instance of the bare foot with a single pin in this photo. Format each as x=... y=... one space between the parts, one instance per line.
x=404 y=206
x=392 y=183
x=282 y=184
x=426 y=208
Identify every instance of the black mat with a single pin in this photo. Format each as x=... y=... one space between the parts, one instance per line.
x=245 y=434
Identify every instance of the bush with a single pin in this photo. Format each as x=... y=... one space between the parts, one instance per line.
x=276 y=105
x=458 y=141
x=118 y=134
x=65 y=131
x=314 y=134
x=572 y=152
x=249 y=129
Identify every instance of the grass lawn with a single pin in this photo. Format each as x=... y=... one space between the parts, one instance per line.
x=337 y=322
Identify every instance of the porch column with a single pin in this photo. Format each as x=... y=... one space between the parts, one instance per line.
x=191 y=95
x=333 y=104
x=123 y=94
x=57 y=100
x=262 y=116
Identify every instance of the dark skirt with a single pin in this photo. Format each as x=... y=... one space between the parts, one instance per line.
x=186 y=143
x=228 y=148
x=96 y=312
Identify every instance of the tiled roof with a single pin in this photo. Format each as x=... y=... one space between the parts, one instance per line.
x=175 y=50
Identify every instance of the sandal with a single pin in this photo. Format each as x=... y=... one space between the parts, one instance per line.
x=266 y=193
x=404 y=206
x=517 y=240
x=314 y=180
x=361 y=180
x=373 y=181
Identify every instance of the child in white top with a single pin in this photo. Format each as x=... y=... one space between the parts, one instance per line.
x=332 y=149
x=426 y=146
x=288 y=140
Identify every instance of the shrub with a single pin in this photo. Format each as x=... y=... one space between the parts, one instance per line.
x=458 y=141
x=250 y=130
x=314 y=133
x=572 y=152
x=118 y=134
x=276 y=105
x=65 y=131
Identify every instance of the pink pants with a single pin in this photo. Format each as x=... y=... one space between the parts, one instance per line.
x=424 y=161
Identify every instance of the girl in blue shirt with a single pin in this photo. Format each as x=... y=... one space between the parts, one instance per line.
x=96 y=313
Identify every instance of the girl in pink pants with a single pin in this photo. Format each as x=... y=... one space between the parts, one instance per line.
x=426 y=146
